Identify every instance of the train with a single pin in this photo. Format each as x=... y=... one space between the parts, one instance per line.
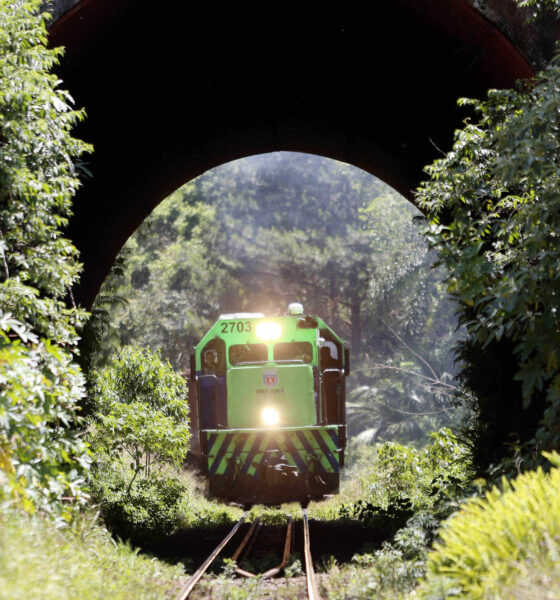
x=268 y=406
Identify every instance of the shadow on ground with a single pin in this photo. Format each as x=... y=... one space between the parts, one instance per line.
x=340 y=539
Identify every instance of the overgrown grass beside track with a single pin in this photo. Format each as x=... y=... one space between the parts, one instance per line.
x=81 y=562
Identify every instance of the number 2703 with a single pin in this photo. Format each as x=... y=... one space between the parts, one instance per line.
x=239 y=326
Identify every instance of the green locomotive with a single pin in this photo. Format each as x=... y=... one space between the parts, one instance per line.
x=268 y=400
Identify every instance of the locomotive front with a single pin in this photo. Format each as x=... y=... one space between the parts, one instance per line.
x=268 y=397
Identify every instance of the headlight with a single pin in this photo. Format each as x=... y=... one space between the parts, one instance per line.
x=268 y=330
x=270 y=417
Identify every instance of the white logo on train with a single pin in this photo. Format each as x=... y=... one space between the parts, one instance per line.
x=270 y=378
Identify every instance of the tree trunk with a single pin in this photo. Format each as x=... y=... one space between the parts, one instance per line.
x=356 y=329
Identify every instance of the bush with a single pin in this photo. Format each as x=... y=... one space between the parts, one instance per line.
x=145 y=511
x=408 y=479
x=141 y=425
x=387 y=520
x=493 y=541
x=42 y=459
x=142 y=411
x=410 y=491
x=383 y=575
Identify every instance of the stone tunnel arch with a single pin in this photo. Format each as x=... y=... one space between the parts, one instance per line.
x=172 y=93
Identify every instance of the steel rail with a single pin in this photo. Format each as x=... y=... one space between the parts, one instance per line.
x=287 y=546
x=312 y=592
x=247 y=537
x=188 y=588
x=250 y=536
x=274 y=570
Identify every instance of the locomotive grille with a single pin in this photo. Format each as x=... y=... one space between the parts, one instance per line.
x=243 y=451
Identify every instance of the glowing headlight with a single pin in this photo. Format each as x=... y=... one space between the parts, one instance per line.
x=268 y=331
x=270 y=417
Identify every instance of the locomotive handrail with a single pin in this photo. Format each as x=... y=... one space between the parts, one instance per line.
x=332 y=370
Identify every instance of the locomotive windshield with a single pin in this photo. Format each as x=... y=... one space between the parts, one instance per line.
x=242 y=354
x=293 y=351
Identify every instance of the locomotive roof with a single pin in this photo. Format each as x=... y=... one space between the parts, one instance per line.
x=234 y=335
x=230 y=316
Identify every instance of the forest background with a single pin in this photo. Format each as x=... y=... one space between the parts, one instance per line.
x=261 y=232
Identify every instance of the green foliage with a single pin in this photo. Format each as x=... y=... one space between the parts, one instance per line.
x=404 y=473
x=384 y=574
x=37 y=177
x=142 y=512
x=178 y=278
x=494 y=540
x=99 y=338
x=141 y=416
x=541 y=7
x=494 y=216
x=405 y=403
x=39 y=560
x=406 y=482
x=387 y=520
x=142 y=410
x=42 y=460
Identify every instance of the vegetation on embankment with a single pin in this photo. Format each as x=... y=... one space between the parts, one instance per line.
x=516 y=535
x=39 y=560
x=138 y=431
x=43 y=458
x=495 y=545
x=47 y=549
x=493 y=205
x=500 y=545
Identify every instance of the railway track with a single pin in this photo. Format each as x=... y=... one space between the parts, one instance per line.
x=257 y=537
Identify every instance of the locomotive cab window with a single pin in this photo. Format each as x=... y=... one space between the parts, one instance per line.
x=214 y=358
x=243 y=354
x=293 y=351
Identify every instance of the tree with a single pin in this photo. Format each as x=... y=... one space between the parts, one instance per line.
x=139 y=430
x=494 y=217
x=38 y=178
x=142 y=412
x=43 y=459
x=259 y=233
